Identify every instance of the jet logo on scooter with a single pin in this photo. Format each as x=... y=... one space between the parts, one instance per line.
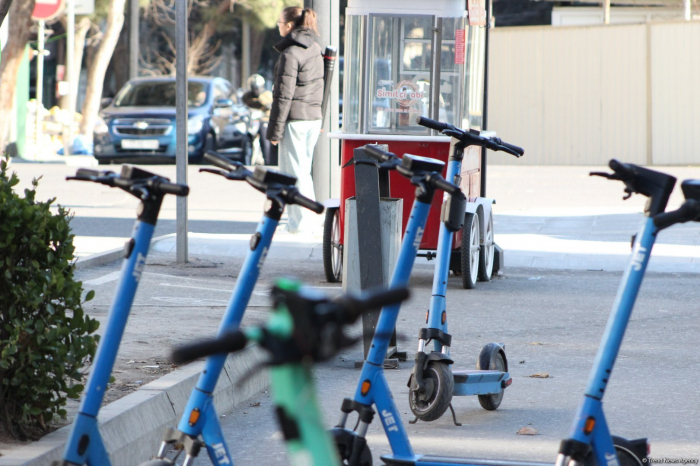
x=419 y=238
x=220 y=452
x=262 y=258
x=638 y=258
x=611 y=459
x=140 y=265
x=389 y=420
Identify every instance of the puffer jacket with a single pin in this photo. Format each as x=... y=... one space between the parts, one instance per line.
x=298 y=88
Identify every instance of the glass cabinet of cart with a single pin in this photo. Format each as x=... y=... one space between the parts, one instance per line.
x=391 y=63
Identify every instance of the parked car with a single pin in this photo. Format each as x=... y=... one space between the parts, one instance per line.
x=139 y=124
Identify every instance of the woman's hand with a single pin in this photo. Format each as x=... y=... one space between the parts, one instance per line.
x=274 y=143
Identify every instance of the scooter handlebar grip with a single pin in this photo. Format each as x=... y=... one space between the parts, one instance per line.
x=379 y=299
x=517 y=149
x=303 y=201
x=432 y=124
x=228 y=343
x=379 y=154
x=173 y=188
x=689 y=210
x=443 y=184
x=623 y=170
x=371 y=300
x=220 y=161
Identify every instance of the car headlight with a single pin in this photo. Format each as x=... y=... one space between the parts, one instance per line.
x=101 y=126
x=194 y=125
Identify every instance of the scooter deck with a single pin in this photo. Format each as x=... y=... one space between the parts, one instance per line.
x=389 y=460
x=475 y=376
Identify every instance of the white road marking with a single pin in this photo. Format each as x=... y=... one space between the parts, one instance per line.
x=110 y=277
x=194 y=287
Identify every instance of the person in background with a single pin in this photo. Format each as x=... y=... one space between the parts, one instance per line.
x=295 y=117
x=257 y=98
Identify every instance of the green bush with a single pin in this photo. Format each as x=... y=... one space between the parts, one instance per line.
x=45 y=337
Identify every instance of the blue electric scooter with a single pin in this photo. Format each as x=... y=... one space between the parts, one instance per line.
x=433 y=382
x=85 y=444
x=199 y=417
x=590 y=442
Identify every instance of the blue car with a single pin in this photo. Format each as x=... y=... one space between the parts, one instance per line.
x=139 y=125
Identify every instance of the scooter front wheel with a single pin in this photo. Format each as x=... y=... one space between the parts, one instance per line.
x=439 y=383
x=491 y=359
x=345 y=443
x=629 y=453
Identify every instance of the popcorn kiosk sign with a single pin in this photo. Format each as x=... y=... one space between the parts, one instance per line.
x=405 y=59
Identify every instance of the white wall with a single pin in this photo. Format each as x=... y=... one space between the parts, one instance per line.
x=586 y=16
x=582 y=95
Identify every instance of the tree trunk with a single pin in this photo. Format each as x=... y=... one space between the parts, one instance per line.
x=4 y=8
x=21 y=13
x=81 y=31
x=98 y=68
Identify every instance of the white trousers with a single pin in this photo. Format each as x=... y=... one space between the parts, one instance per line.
x=296 y=153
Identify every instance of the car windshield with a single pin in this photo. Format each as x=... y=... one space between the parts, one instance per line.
x=159 y=94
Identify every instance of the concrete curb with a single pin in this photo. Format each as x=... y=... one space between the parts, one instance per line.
x=102 y=258
x=132 y=427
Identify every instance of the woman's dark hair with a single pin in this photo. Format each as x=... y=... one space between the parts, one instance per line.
x=301 y=17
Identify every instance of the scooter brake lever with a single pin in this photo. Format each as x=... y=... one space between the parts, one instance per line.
x=610 y=176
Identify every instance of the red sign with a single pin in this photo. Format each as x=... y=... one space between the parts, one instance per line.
x=460 y=46
x=47 y=9
x=477 y=13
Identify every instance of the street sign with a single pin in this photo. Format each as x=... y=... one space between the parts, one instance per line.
x=84 y=7
x=45 y=10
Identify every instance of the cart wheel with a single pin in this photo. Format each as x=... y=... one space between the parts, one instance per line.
x=435 y=401
x=625 y=454
x=486 y=252
x=491 y=359
x=332 y=249
x=471 y=243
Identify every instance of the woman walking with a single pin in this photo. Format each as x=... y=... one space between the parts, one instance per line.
x=295 y=118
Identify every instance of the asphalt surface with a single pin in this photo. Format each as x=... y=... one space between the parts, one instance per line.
x=551 y=318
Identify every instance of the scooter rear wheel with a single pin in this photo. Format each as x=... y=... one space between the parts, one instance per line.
x=440 y=386
x=493 y=361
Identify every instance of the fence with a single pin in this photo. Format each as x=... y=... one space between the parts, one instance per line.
x=581 y=95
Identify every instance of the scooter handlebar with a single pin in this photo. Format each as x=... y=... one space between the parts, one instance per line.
x=172 y=188
x=512 y=149
x=228 y=343
x=220 y=161
x=432 y=124
x=689 y=210
x=303 y=201
x=443 y=184
x=379 y=154
x=356 y=305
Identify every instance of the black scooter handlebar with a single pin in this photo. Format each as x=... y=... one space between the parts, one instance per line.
x=432 y=124
x=443 y=184
x=379 y=154
x=228 y=343
x=172 y=188
x=220 y=161
x=303 y=201
x=354 y=306
x=689 y=210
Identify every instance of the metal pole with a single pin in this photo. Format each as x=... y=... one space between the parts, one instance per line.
x=686 y=4
x=70 y=65
x=245 y=53
x=181 y=109
x=606 y=11
x=39 y=86
x=485 y=110
x=134 y=23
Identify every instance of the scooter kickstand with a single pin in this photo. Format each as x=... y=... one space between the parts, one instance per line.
x=413 y=421
x=454 y=416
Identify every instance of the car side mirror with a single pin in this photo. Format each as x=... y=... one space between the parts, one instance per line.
x=105 y=102
x=221 y=103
